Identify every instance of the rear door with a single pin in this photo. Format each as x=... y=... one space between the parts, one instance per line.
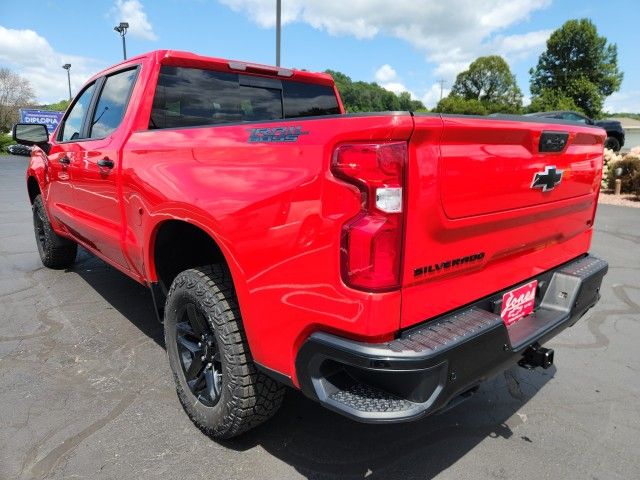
x=488 y=208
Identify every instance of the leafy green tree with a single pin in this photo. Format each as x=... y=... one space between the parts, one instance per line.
x=371 y=97
x=60 y=106
x=550 y=100
x=487 y=86
x=462 y=106
x=489 y=80
x=578 y=64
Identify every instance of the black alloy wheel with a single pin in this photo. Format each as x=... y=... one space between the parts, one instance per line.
x=199 y=355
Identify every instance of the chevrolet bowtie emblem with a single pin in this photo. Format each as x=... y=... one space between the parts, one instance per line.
x=548 y=179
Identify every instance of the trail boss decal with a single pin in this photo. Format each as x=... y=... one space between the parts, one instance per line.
x=447 y=265
x=275 y=134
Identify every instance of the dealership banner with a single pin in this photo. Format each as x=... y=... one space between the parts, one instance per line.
x=48 y=118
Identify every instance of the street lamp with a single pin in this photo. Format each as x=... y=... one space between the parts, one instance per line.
x=278 y=28
x=122 y=30
x=67 y=67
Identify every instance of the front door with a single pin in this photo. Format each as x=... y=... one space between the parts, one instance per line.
x=97 y=172
x=63 y=158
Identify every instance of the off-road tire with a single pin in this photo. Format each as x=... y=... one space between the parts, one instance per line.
x=55 y=251
x=248 y=397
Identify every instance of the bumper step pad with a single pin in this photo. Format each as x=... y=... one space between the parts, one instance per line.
x=447 y=331
x=366 y=398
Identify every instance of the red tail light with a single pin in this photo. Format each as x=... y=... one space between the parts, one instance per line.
x=372 y=240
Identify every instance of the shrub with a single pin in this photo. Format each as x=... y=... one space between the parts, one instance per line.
x=634 y=152
x=5 y=141
x=610 y=157
x=635 y=183
x=630 y=166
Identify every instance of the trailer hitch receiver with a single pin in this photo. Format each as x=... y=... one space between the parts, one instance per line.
x=536 y=356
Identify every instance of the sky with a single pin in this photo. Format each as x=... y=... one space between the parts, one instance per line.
x=413 y=45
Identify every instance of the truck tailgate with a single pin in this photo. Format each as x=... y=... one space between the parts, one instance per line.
x=478 y=220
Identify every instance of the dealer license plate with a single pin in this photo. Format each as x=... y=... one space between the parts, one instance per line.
x=518 y=303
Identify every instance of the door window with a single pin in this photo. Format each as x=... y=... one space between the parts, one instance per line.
x=574 y=117
x=112 y=103
x=72 y=128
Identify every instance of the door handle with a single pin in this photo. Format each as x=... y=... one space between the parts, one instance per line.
x=64 y=160
x=105 y=162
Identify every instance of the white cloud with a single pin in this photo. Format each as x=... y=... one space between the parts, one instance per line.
x=625 y=101
x=132 y=12
x=30 y=55
x=451 y=34
x=433 y=95
x=386 y=73
x=387 y=77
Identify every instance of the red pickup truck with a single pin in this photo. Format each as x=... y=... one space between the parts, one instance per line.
x=383 y=263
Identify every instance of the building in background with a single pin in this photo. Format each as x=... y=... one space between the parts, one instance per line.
x=631 y=131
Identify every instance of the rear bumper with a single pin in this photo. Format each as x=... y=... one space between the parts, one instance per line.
x=432 y=364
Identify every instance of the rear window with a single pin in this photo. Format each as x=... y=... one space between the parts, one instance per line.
x=190 y=97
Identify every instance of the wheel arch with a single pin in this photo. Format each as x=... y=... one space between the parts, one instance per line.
x=176 y=245
x=33 y=188
x=171 y=233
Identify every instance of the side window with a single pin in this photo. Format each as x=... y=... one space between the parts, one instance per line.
x=572 y=117
x=112 y=103
x=72 y=128
x=308 y=100
x=190 y=97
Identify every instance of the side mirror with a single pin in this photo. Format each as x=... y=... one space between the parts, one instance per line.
x=30 y=134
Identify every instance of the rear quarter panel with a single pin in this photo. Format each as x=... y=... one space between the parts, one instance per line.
x=275 y=211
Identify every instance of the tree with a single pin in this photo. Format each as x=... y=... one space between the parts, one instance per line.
x=578 y=64
x=60 y=106
x=461 y=106
x=371 y=97
x=489 y=81
x=550 y=100
x=15 y=93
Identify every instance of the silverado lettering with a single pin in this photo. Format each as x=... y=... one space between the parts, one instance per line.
x=454 y=262
x=277 y=258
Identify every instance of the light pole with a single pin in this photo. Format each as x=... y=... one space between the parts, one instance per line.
x=67 y=67
x=122 y=30
x=278 y=28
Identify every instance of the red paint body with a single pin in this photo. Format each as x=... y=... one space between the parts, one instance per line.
x=276 y=211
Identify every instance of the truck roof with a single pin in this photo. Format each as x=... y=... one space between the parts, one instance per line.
x=189 y=59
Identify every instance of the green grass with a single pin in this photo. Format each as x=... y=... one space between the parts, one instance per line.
x=5 y=141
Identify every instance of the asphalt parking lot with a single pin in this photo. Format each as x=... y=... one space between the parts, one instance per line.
x=85 y=389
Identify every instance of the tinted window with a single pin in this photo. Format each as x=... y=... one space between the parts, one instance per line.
x=577 y=118
x=187 y=97
x=72 y=128
x=112 y=103
x=305 y=100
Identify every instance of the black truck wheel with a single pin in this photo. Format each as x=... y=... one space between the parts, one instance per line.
x=612 y=143
x=55 y=251
x=216 y=379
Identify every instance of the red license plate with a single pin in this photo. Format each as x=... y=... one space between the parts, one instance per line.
x=518 y=303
